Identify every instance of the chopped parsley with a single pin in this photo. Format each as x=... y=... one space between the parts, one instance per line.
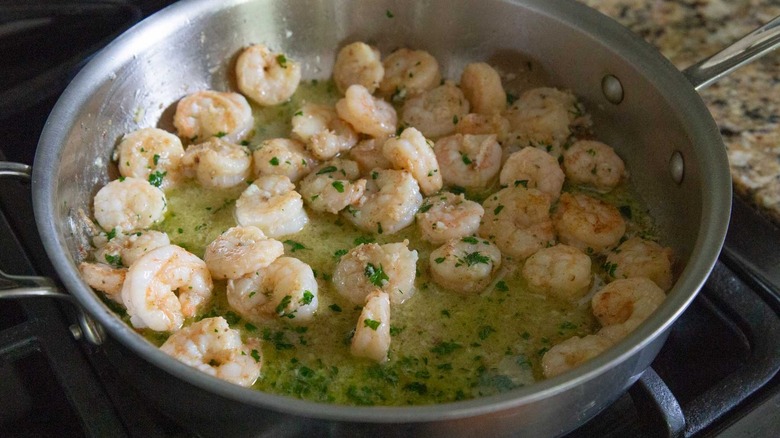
x=111 y=234
x=372 y=324
x=389 y=14
x=501 y=286
x=307 y=297
x=220 y=134
x=363 y=239
x=439 y=260
x=498 y=209
x=455 y=120
x=609 y=268
x=283 y=305
x=475 y=257
x=338 y=185
x=114 y=260
x=156 y=178
x=470 y=239
x=274 y=161
x=521 y=182
x=465 y=158
x=625 y=210
x=156 y=159
x=335 y=307
x=327 y=169
x=445 y=348
x=375 y=275
x=294 y=246
x=340 y=252
x=282 y=60
x=255 y=355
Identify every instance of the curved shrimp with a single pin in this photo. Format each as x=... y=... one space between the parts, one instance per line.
x=105 y=278
x=125 y=249
x=482 y=124
x=414 y=153
x=391 y=199
x=448 y=216
x=468 y=161
x=587 y=223
x=211 y=346
x=368 y=155
x=621 y=306
x=561 y=271
x=518 y=221
x=240 y=251
x=358 y=63
x=571 y=353
x=284 y=289
x=129 y=204
x=465 y=265
x=366 y=113
x=267 y=77
x=372 y=332
x=535 y=169
x=271 y=204
x=149 y=151
x=152 y=282
x=481 y=85
x=205 y=114
x=390 y=268
x=637 y=257
x=436 y=112
x=541 y=117
x=324 y=133
x=282 y=156
x=333 y=186
x=217 y=164
x=408 y=73
x=594 y=164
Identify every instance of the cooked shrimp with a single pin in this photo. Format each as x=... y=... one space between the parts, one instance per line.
x=150 y=151
x=414 y=153
x=105 y=278
x=594 y=164
x=468 y=161
x=637 y=257
x=366 y=113
x=240 y=251
x=271 y=204
x=587 y=223
x=560 y=271
x=535 y=169
x=205 y=114
x=372 y=332
x=391 y=199
x=436 y=112
x=448 y=216
x=284 y=289
x=465 y=265
x=129 y=204
x=391 y=268
x=217 y=164
x=282 y=156
x=267 y=77
x=358 y=63
x=151 y=284
x=333 y=186
x=623 y=304
x=481 y=124
x=125 y=249
x=211 y=346
x=571 y=353
x=481 y=85
x=408 y=73
x=368 y=155
x=518 y=221
x=540 y=117
x=324 y=133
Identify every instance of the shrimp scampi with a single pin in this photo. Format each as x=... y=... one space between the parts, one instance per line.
x=594 y=164
x=436 y=112
x=414 y=153
x=271 y=204
x=151 y=154
x=408 y=73
x=217 y=164
x=391 y=268
x=448 y=216
x=125 y=249
x=587 y=223
x=333 y=186
x=129 y=204
x=391 y=199
x=372 y=332
x=572 y=353
x=205 y=114
x=481 y=85
x=465 y=265
x=366 y=113
x=358 y=63
x=468 y=161
x=325 y=134
x=282 y=156
x=534 y=169
x=560 y=271
x=240 y=251
x=637 y=257
x=269 y=78
x=621 y=306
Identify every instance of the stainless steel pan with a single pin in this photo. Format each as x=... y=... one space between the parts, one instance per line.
x=640 y=103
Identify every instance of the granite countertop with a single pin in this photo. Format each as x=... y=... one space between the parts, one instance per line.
x=746 y=103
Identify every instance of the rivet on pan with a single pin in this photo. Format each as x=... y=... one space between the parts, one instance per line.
x=677 y=167
x=75 y=331
x=612 y=89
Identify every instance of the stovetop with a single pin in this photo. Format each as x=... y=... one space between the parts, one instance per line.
x=715 y=376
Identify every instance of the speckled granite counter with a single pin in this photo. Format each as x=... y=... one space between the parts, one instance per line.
x=746 y=104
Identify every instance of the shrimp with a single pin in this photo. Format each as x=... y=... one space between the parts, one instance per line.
x=621 y=306
x=358 y=63
x=271 y=204
x=267 y=77
x=284 y=289
x=205 y=114
x=481 y=85
x=366 y=113
x=217 y=164
x=129 y=204
x=125 y=249
x=391 y=199
x=436 y=112
x=448 y=216
x=637 y=257
x=333 y=186
x=324 y=133
x=414 y=153
x=240 y=251
x=105 y=278
x=560 y=271
x=518 y=221
x=390 y=268
x=571 y=353
x=541 y=117
x=211 y=346
x=477 y=124
x=282 y=156
x=368 y=155
x=468 y=161
x=465 y=265
x=372 y=332
x=535 y=169
x=587 y=223
x=408 y=73
x=594 y=164
x=147 y=152
x=149 y=290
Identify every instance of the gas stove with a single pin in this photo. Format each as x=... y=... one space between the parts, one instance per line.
x=717 y=374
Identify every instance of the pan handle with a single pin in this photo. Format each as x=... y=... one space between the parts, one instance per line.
x=19 y=170
x=751 y=46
